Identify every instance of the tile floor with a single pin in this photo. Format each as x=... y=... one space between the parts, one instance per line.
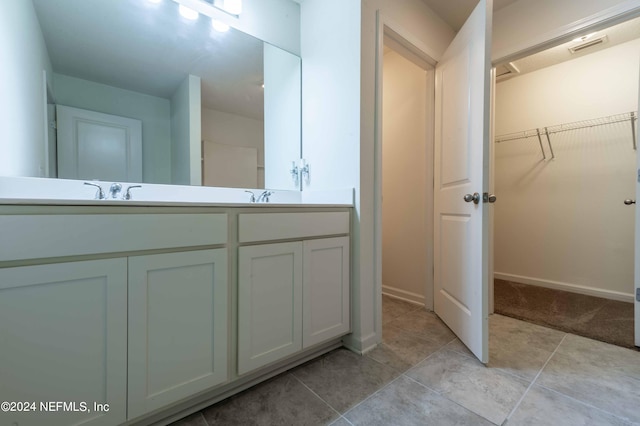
x=423 y=375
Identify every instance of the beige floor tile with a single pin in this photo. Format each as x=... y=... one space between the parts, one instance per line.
x=400 y=350
x=343 y=378
x=405 y=402
x=597 y=373
x=488 y=392
x=393 y=308
x=519 y=347
x=542 y=407
x=425 y=325
x=279 y=401
x=196 y=419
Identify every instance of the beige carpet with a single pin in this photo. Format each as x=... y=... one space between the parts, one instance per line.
x=600 y=319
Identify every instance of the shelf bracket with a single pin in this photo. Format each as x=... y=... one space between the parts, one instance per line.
x=546 y=132
x=633 y=129
x=544 y=156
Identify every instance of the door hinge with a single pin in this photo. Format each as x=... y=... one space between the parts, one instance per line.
x=53 y=125
x=638 y=294
x=639 y=175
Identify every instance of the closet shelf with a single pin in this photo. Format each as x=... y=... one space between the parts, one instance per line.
x=632 y=117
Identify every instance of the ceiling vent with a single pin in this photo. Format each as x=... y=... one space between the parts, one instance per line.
x=587 y=44
x=505 y=71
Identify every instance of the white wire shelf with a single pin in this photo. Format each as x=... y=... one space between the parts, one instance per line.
x=632 y=117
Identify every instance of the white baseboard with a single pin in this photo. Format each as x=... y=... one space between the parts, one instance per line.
x=363 y=345
x=407 y=296
x=573 y=288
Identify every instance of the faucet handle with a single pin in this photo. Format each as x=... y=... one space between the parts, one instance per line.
x=252 y=199
x=265 y=196
x=99 y=193
x=127 y=194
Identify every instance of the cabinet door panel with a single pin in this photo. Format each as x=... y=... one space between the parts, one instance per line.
x=326 y=290
x=269 y=304
x=178 y=320
x=63 y=338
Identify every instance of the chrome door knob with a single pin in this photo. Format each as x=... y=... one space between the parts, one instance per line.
x=475 y=198
x=628 y=202
x=486 y=198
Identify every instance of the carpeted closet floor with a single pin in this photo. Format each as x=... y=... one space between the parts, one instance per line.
x=594 y=317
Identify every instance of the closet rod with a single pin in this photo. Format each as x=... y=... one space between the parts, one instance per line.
x=602 y=121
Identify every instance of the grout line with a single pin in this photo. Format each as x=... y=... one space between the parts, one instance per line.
x=204 y=419
x=513 y=410
x=317 y=396
x=372 y=395
x=586 y=404
x=442 y=395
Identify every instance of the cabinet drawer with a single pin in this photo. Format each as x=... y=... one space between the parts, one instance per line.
x=42 y=236
x=282 y=226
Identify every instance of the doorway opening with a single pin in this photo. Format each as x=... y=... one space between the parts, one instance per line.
x=564 y=162
x=407 y=173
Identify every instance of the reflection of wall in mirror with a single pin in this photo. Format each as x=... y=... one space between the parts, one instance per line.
x=234 y=130
x=23 y=56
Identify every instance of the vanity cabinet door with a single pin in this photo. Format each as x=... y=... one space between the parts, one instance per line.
x=326 y=290
x=63 y=338
x=269 y=303
x=178 y=317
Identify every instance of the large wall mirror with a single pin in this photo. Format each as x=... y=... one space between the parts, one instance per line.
x=140 y=92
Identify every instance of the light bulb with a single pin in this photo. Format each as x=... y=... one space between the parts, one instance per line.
x=219 y=26
x=234 y=7
x=188 y=13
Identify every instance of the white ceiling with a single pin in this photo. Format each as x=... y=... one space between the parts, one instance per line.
x=617 y=34
x=150 y=48
x=456 y=12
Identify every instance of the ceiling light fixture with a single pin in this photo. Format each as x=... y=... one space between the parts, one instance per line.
x=188 y=13
x=219 y=26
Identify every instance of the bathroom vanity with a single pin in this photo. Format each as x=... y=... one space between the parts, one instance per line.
x=154 y=310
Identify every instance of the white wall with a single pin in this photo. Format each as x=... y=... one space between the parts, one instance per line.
x=186 y=130
x=154 y=113
x=338 y=45
x=404 y=179
x=235 y=130
x=562 y=222
x=23 y=57
x=282 y=116
x=528 y=23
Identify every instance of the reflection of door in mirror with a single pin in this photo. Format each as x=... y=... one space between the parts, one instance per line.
x=93 y=145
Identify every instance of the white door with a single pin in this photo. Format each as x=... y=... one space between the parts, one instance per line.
x=461 y=167
x=177 y=327
x=325 y=291
x=92 y=145
x=269 y=303
x=63 y=337
x=636 y=293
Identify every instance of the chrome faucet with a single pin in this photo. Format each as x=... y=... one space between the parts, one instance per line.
x=127 y=194
x=114 y=190
x=252 y=199
x=99 y=193
x=264 y=196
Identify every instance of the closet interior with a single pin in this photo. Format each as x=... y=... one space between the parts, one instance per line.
x=565 y=175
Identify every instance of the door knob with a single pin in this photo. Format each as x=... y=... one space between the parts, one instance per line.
x=629 y=202
x=475 y=198
x=489 y=198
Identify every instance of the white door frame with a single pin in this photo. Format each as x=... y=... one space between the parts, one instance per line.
x=422 y=52
x=600 y=21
